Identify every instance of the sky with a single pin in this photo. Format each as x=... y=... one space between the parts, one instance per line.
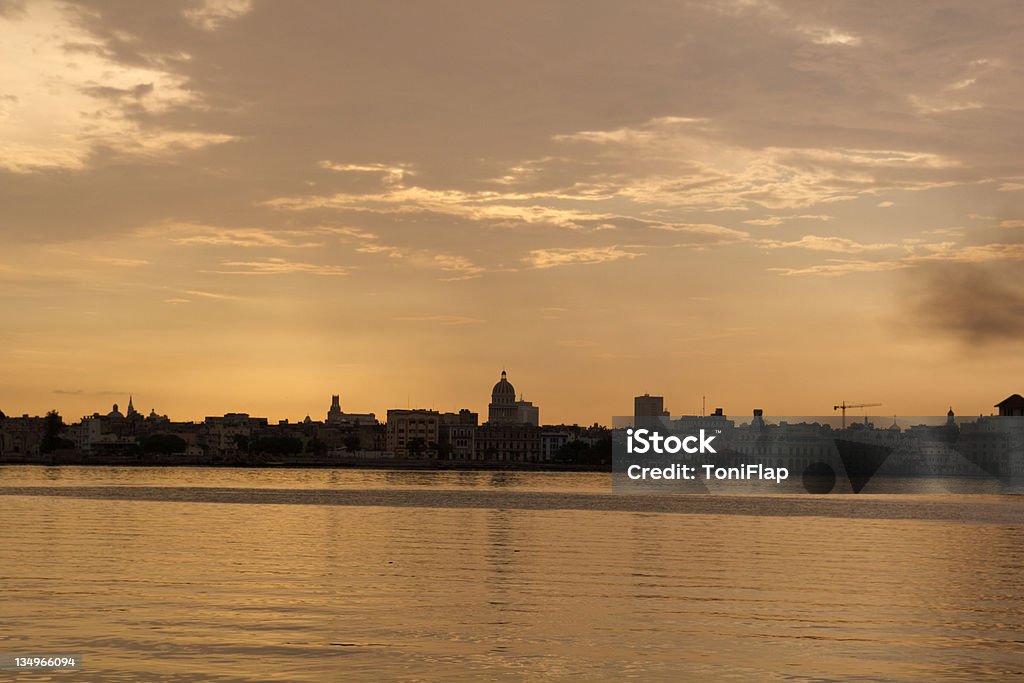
x=234 y=205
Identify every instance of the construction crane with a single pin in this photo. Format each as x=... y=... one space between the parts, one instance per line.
x=844 y=405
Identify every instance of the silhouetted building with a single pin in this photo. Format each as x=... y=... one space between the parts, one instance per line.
x=649 y=406
x=338 y=418
x=334 y=412
x=508 y=443
x=132 y=414
x=413 y=433
x=502 y=408
x=231 y=432
x=527 y=413
x=458 y=435
x=551 y=441
x=1012 y=406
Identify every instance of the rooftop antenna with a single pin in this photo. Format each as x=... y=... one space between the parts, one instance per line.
x=703 y=405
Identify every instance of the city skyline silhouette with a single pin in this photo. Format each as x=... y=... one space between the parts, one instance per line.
x=232 y=203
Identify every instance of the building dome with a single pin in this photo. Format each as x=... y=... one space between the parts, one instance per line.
x=503 y=389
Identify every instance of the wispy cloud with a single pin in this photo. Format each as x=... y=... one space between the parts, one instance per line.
x=919 y=254
x=121 y=262
x=818 y=243
x=88 y=392
x=210 y=295
x=442 y=319
x=834 y=267
x=242 y=237
x=58 y=117
x=278 y=266
x=549 y=258
x=210 y=15
x=779 y=220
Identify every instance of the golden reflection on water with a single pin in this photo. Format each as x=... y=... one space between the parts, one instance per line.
x=209 y=591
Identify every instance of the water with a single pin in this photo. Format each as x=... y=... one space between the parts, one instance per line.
x=184 y=574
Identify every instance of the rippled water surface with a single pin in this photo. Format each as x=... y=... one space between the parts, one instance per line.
x=183 y=574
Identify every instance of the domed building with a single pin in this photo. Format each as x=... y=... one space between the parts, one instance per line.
x=503 y=409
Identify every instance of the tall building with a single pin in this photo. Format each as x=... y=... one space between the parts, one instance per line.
x=334 y=414
x=337 y=418
x=132 y=414
x=649 y=406
x=413 y=433
x=458 y=435
x=527 y=413
x=508 y=443
x=503 y=408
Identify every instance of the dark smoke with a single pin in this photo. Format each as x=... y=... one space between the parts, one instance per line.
x=976 y=303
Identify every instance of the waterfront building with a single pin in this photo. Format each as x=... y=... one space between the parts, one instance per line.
x=502 y=408
x=413 y=433
x=338 y=418
x=649 y=406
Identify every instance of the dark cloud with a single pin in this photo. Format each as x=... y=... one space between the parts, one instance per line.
x=83 y=392
x=108 y=92
x=12 y=8
x=464 y=91
x=978 y=304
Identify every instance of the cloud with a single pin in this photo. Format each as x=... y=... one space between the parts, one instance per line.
x=779 y=220
x=979 y=305
x=278 y=266
x=491 y=206
x=831 y=36
x=919 y=254
x=210 y=15
x=56 y=116
x=390 y=174
x=461 y=266
x=121 y=262
x=549 y=258
x=716 y=233
x=210 y=295
x=697 y=166
x=836 y=267
x=979 y=253
x=242 y=237
x=85 y=392
x=816 y=243
x=442 y=319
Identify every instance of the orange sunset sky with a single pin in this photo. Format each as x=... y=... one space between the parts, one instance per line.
x=248 y=206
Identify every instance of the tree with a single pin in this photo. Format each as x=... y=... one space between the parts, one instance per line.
x=277 y=445
x=52 y=427
x=596 y=455
x=163 y=444
x=352 y=443
x=573 y=452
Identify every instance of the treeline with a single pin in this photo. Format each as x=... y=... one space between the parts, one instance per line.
x=597 y=455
